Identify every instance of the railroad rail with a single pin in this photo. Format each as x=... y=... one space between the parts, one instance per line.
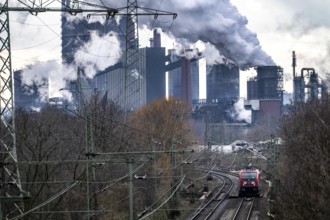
x=244 y=209
x=207 y=210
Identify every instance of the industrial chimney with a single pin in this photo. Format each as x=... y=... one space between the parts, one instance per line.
x=294 y=64
x=157 y=39
x=186 y=80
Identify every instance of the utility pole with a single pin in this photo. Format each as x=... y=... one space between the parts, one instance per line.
x=130 y=188
x=272 y=166
x=208 y=144
x=89 y=154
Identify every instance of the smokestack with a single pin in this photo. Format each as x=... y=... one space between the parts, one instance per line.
x=185 y=80
x=294 y=63
x=151 y=42
x=157 y=39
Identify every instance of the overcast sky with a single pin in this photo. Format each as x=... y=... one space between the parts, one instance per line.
x=286 y=25
x=251 y=32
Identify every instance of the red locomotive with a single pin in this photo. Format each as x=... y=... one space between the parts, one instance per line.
x=249 y=180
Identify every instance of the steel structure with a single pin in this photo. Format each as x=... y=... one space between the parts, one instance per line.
x=308 y=85
x=270 y=82
x=11 y=190
x=133 y=80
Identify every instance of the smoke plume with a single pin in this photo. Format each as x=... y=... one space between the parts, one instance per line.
x=217 y=22
x=98 y=53
x=50 y=77
x=240 y=112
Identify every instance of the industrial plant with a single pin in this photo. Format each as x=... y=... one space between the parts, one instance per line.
x=182 y=75
x=118 y=128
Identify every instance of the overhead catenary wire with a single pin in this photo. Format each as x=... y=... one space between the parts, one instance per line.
x=119 y=179
x=172 y=194
x=47 y=201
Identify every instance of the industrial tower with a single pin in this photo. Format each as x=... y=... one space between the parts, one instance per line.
x=308 y=86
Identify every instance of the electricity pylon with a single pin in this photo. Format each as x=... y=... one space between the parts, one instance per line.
x=134 y=80
x=11 y=193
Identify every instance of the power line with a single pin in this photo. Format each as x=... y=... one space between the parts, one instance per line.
x=47 y=201
x=37 y=45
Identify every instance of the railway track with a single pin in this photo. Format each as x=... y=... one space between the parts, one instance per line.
x=244 y=209
x=207 y=210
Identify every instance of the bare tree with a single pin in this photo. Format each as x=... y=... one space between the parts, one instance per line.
x=304 y=167
x=52 y=150
x=162 y=126
x=49 y=135
x=51 y=145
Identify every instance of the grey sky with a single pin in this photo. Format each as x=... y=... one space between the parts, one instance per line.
x=248 y=31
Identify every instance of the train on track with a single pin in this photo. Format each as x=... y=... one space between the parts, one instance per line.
x=249 y=180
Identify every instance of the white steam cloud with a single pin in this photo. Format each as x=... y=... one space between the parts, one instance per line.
x=216 y=24
x=49 y=77
x=99 y=53
x=240 y=112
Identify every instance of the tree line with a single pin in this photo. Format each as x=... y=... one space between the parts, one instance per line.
x=52 y=148
x=304 y=164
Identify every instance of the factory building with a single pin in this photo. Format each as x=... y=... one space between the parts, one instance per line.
x=265 y=93
x=222 y=82
x=174 y=74
x=217 y=111
x=152 y=65
x=222 y=93
x=185 y=74
x=111 y=81
x=308 y=85
x=152 y=73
